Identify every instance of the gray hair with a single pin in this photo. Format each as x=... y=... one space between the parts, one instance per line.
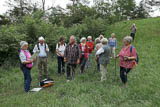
x=72 y=36
x=113 y=34
x=82 y=39
x=97 y=40
x=128 y=39
x=89 y=37
x=22 y=43
x=104 y=41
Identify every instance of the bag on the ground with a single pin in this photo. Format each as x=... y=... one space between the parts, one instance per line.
x=47 y=83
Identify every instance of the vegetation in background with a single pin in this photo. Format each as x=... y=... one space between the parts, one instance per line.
x=28 y=21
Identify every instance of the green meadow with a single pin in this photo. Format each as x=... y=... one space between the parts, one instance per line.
x=86 y=90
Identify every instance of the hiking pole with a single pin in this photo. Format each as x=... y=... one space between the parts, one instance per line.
x=115 y=66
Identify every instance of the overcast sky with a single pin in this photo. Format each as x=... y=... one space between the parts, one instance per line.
x=62 y=3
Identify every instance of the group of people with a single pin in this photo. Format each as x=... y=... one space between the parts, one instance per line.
x=73 y=54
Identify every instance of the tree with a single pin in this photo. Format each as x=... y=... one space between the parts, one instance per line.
x=151 y=5
x=43 y=5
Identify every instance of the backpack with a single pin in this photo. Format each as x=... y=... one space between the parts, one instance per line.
x=46 y=83
x=137 y=57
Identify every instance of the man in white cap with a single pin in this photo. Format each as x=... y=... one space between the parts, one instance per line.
x=42 y=49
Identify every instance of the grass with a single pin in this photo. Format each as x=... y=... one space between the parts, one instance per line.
x=87 y=90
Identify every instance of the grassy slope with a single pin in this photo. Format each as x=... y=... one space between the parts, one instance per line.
x=86 y=90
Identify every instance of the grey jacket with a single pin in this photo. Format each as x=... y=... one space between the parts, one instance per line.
x=105 y=56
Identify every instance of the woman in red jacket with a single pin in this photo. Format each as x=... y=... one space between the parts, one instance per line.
x=84 y=54
x=90 y=45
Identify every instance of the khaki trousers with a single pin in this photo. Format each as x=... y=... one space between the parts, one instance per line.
x=43 y=67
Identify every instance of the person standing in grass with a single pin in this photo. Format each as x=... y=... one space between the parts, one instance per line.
x=104 y=57
x=72 y=55
x=127 y=59
x=97 y=47
x=84 y=54
x=133 y=31
x=90 y=46
x=42 y=49
x=60 y=47
x=113 y=44
x=26 y=64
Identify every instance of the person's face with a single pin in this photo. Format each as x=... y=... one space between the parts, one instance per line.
x=113 y=36
x=84 y=41
x=25 y=47
x=72 y=40
x=41 y=41
x=62 y=42
x=89 y=39
x=125 y=43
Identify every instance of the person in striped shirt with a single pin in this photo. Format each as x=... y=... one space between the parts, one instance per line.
x=113 y=44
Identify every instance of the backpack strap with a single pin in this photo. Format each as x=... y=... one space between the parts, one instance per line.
x=38 y=46
x=45 y=46
x=131 y=50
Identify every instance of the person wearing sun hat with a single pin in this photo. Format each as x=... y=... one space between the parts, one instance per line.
x=42 y=49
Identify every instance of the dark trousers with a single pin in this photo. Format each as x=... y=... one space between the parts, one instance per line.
x=70 y=75
x=83 y=63
x=61 y=64
x=123 y=74
x=133 y=36
x=98 y=65
x=27 y=78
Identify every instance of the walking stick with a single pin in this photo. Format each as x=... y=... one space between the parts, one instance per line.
x=115 y=66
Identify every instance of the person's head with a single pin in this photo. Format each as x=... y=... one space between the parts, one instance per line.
x=41 y=40
x=97 y=40
x=101 y=37
x=134 y=25
x=104 y=41
x=83 y=40
x=113 y=35
x=89 y=38
x=24 y=45
x=127 y=40
x=62 y=40
x=72 y=39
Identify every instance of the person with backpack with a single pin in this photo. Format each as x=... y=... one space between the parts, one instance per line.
x=90 y=45
x=72 y=55
x=42 y=49
x=113 y=44
x=26 y=64
x=104 y=57
x=128 y=58
x=84 y=54
x=133 y=31
x=60 y=48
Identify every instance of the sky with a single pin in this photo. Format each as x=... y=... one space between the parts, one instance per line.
x=62 y=3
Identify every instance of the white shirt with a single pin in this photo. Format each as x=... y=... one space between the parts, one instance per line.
x=100 y=51
x=42 y=50
x=61 y=48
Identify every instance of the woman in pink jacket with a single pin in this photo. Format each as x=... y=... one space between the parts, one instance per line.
x=127 y=59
